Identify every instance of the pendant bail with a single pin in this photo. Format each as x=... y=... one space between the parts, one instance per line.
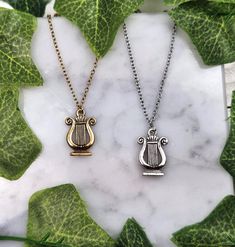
x=151 y=124
x=80 y=111
x=80 y=106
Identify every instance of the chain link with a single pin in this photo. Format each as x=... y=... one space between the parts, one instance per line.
x=65 y=73
x=149 y=119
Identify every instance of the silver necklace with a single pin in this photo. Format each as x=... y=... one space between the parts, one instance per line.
x=152 y=156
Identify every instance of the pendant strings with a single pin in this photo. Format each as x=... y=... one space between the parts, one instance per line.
x=78 y=103
x=153 y=117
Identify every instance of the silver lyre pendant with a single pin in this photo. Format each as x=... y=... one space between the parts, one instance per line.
x=152 y=156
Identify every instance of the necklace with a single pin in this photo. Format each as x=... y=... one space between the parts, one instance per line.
x=80 y=136
x=152 y=156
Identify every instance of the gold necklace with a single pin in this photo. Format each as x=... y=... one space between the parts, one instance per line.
x=80 y=136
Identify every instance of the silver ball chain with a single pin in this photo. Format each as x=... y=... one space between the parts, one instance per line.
x=151 y=119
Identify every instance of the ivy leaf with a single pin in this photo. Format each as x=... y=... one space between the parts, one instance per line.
x=98 y=20
x=18 y=145
x=212 y=32
x=227 y=158
x=175 y=2
x=223 y=1
x=178 y=2
x=133 y=235
x=217 y=230
x=34 y=7
x=218 y=8
x=41 y=243
x=16 y=65
x=60 y=214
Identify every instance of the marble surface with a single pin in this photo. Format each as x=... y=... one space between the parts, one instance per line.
x=230 y=81
x=192 y=116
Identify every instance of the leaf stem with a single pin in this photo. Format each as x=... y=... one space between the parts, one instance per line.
x=31 y=241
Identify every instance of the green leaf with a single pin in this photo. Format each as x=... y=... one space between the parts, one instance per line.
x=215 y=7
x=217 y=230
x=227 y=158
x=41 y=243
x=16 y=65
x=18 y=145
x=223 y=1
x=223 y=9
x=212 y=30
x=98 y=20
x=133 y=235
x=176 y=2
x=34 y=7
x=60 y=214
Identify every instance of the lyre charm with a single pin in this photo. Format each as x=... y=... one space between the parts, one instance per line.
x=152 y=156
x=80 y=136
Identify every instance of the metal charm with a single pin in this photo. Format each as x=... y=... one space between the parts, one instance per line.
x=80 y=136
x=152 y=156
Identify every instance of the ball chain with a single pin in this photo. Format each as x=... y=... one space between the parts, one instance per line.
x=149 y=119
x=65 y=73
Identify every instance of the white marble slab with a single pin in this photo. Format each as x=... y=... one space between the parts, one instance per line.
x=192 y=116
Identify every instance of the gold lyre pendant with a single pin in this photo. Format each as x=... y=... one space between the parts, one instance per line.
x=80 y=136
